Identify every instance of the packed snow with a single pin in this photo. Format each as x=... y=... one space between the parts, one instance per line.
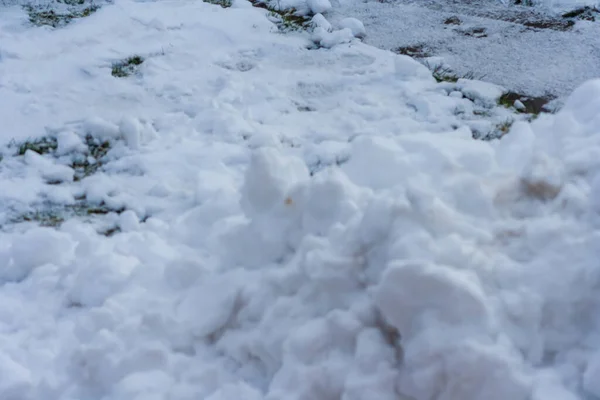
x=271 y=220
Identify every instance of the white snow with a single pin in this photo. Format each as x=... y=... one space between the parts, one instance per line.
x=131 y=129
x=278 y=221
x=319 y=21
x=68 y=142
x=525 y=59
x=319 y=6
x=356 y=26
x=519 y=105
x=483 y=93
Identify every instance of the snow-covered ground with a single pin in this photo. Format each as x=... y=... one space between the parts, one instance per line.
x=526 y=59
x=287 y=222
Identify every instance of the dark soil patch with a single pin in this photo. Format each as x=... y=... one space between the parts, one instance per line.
x=533 y=105
x=557 y=25
x=583 y=13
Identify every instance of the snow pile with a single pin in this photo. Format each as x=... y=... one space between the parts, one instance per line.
x=287 y=223
x=483 y=93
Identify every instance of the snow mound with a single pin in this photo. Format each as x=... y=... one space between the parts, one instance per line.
x=484 y=93
x=355 y=25
x=319 y=6
x=292 y=223
x=326 y=39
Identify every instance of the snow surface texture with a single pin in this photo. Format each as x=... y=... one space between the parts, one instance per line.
x=300 y=224
x=525 y=59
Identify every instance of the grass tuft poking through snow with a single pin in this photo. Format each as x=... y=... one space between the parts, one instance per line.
x=43 y=145
x=65 y=159
x=41 y=16
x=285 y=19
x=503 y=128
x=90 y=163
x=415 y=51
x=222 y=3
x=442 y=73
x=84 y=163
x=54 y=215
x=288 y=20
x=127 y=67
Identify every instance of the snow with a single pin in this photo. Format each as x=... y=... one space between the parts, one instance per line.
x=408 y=69
x=319 y=6
x=324 y=38
x=484 y=93
x=319 y=21
x=276 y=221
x=524 y=59
x=565 y=4
x=519 y=105
x=356 y=26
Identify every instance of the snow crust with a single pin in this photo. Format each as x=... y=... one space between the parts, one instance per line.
x=299 y=224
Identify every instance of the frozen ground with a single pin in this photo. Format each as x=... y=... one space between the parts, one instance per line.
x=533 y=60
x=272 y=222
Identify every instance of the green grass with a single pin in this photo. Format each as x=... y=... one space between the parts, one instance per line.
x=506 y=100
x=44 y=16
x=97 y=149
x=222 y=3
x=42 y=218
x=127 y=67
x=44 y=145
x=286 y=20
x=51 y=215
x=445 y=74
x=502 y=128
